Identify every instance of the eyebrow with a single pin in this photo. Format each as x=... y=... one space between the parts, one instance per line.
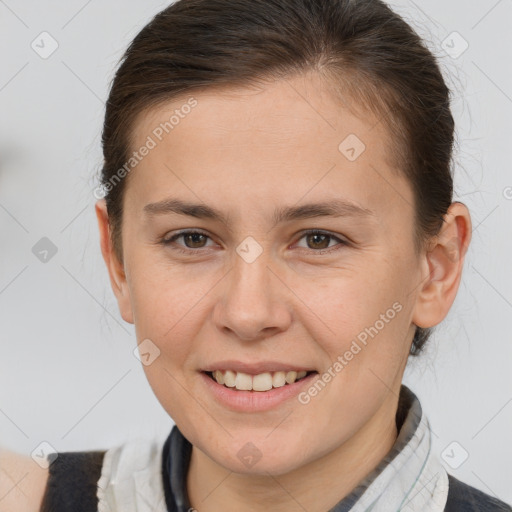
x=332 y=208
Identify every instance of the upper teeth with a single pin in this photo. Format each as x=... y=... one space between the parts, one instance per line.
x=260 y=382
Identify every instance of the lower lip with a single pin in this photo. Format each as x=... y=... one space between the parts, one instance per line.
x=255 y=401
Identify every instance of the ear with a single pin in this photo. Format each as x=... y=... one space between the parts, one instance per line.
x=442 y=267
x=115 y=268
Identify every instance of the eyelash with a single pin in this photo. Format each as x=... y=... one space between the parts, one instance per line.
x=169 y=241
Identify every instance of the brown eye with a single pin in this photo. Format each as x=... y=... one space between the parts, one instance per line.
x=191 y=240
x=194 y=240
x=317 y=241
x=320 y=241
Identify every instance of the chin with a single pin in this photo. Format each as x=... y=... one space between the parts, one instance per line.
x=277 y=464
x=259 y=456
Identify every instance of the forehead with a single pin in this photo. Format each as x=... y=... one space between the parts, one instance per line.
x=277 y=142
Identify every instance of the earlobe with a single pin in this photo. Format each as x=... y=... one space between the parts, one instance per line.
x=115 y=268
x=442 y=266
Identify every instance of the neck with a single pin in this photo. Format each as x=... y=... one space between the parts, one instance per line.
x=310 y=487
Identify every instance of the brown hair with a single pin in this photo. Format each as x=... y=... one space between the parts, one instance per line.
x=362 y=47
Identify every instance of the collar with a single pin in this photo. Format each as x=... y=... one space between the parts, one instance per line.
x=409 y=477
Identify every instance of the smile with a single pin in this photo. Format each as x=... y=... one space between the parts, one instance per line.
x=260 y=382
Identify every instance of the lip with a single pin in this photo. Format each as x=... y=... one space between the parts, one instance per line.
x=255 y=368
x=254 y=401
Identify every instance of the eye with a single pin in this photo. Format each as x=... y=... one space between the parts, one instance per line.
x=319 y=241
x=192 y=239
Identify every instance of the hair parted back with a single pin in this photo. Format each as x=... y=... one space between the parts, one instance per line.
x=362 y=48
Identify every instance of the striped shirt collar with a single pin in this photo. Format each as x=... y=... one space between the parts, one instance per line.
x=409 y=477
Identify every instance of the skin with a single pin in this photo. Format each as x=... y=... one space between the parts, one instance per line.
x=22 y=482
x=246 y=152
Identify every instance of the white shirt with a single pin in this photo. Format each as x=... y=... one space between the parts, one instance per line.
x=409 y=478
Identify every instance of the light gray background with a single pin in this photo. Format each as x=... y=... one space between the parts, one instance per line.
x=68 y=375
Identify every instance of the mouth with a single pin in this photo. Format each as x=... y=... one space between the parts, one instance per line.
x=240 y=381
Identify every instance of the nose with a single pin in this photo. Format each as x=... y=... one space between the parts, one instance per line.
x=253 y=304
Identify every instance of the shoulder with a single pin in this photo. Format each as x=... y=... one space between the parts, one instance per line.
x=69 y=483
x=464 y=498
x=22 y=482
x=84 y=481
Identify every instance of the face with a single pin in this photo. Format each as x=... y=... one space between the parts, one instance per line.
x=243 y=284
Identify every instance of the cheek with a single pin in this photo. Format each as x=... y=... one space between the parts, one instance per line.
x=362 y=316
x=362 y=327
x=171 y=323
x=169 y=313
x=165 y=297
x=347 y=302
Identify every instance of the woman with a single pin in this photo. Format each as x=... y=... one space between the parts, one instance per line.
x=278 y=224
